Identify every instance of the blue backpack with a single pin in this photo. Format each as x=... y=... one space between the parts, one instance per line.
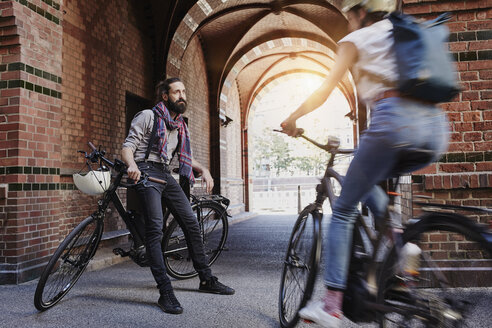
x=425 y=66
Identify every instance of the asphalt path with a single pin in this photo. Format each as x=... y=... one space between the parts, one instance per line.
x=124 y=295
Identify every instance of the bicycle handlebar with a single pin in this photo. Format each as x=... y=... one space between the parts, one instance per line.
x=118 y=165
x=331 y=146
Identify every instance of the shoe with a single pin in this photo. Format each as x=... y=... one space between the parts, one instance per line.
x=314 y=312
x=213 y=286
x=169 y=303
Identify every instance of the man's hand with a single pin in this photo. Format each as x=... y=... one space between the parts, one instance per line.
x=208 y=180
x=133 y=172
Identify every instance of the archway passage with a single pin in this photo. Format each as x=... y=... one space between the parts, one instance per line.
x=284 y=171
x=243 y=46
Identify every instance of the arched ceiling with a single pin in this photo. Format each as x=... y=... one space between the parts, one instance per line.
x=251 y=41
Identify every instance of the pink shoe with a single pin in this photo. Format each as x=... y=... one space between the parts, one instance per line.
x=314 y=311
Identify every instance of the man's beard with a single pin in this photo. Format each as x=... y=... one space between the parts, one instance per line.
x=178 y=107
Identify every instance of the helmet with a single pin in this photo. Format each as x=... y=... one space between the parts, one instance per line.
x=93 y=182
x=370 y=5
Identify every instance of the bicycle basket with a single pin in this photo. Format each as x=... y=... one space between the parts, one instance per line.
x=93 y=182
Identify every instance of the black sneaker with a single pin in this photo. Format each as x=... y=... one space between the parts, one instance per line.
x=169 y=303
x=213 y=286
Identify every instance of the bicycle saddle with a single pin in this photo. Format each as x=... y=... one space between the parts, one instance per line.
x=409 y=159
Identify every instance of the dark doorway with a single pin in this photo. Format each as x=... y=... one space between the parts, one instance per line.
x=134 y=104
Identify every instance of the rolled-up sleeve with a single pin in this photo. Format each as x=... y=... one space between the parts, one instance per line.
x=138 y=129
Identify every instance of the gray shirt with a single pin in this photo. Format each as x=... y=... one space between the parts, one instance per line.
x=139 y=136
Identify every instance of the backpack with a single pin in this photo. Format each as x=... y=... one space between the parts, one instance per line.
x=425 y=66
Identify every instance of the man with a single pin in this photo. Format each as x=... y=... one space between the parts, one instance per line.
x=144 y=151
x=399 y=125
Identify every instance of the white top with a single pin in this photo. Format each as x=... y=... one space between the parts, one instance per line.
x=375 y=70
x=139 y=136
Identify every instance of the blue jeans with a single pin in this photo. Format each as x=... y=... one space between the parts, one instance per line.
x=397 y=124
x=152 y=197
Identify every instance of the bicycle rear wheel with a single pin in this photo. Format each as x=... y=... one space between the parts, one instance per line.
x=455 y=261
x=212 y=220
x=67 y=263
x=300 y=266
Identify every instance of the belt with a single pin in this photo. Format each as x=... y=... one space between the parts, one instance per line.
x=158 y=165
x=388 y=94
x=392 y=93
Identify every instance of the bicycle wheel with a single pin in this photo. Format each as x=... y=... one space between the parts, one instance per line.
x=454 y=262
x=212 y=220
x=300 y=266
x=67 y=263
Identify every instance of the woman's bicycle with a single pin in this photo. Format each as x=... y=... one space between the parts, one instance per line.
x=74 y=253
x=451 y=251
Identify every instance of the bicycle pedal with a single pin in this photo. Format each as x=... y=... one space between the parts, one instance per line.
x=120 y=252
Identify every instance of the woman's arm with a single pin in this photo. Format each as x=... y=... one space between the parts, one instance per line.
x=346 y=56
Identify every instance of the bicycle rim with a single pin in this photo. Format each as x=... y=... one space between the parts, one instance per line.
x=454 y=267
x=67 y=263
x=212 y=220
x=299 y=268
x=214 y=228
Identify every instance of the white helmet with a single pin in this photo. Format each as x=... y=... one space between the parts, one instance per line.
x=93 y=182
x=370 y=5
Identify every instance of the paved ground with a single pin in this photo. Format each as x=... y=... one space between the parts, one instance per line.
x=124 y=295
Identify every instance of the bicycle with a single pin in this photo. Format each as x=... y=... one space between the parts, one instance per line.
x=72 y=256
x=454 y=252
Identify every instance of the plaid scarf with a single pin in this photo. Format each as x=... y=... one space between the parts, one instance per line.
x=166 y=122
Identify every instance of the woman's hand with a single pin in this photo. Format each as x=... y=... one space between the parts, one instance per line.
x=289 y=126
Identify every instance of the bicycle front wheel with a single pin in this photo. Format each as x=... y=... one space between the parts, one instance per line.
x=453 y=264
x=67 y=263
x=212 y=220
x=300 y=266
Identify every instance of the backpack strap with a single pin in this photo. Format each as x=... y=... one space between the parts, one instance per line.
x=153 y=136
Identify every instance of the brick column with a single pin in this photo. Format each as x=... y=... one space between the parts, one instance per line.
x=30 y=105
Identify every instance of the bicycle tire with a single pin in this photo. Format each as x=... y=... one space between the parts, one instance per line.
x=454 y=254
x=300 y=266
x=68 y=263
x=214 y=227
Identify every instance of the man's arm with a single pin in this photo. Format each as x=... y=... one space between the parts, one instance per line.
x=206 y=176
x=132 y=170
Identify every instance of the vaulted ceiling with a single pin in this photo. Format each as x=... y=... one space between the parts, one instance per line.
x=276 y=36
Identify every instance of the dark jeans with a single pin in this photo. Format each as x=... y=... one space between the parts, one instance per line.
x=174 y=198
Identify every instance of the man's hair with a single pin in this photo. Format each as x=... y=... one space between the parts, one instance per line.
x=163 y=87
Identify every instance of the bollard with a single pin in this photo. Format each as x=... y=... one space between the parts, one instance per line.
x=299 y=199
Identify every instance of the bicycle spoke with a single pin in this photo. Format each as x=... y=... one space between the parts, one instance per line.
x=68 y=263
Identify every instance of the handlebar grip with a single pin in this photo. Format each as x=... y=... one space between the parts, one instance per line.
x=162 y=182
x=92 y=145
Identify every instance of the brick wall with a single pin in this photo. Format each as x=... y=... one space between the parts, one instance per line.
x=463 y=176
x=30 y=68
x=65 y=71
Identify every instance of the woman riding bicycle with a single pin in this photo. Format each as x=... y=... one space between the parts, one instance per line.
x=399 y=127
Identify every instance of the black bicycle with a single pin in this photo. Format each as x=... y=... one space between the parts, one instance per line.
x=74 y=253
x=450 y=252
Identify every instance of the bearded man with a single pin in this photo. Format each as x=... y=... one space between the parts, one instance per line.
x=155 y=136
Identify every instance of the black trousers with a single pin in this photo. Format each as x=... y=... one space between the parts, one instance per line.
x=151 y=197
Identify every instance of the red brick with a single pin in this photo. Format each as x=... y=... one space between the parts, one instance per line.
x=469 y=76
x=486 y=75
x=483 y=146
x=480 y=64
x=470 y=95
x=472 y=136
x=479 y=25
x=480 y=45
x=481 y=105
